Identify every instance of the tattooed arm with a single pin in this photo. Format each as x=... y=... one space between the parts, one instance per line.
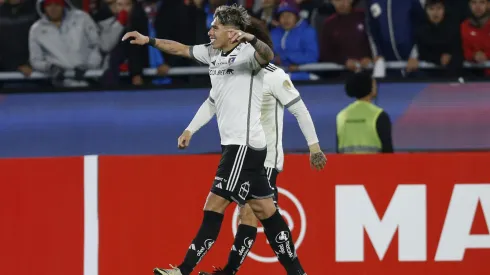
x=172 y=47
x=317 y=158
x=167 y=46
x=263 y=53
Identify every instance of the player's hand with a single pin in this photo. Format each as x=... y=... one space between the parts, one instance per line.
x=184 y=139
x=239 y=36
x=137 y=37
x=317 y=157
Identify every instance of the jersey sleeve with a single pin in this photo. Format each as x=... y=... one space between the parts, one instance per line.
x=283 y=89
x=201 y=53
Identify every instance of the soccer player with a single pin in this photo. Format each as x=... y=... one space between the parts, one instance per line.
x=235 y=60
x=279 y=92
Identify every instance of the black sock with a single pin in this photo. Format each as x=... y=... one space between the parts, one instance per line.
x=244 y=239
x=281 y=241
x=204 y=240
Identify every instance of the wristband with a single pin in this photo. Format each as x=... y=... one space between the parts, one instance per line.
x=254 y=41
x=152 y=41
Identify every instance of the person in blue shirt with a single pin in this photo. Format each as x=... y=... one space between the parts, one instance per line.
x=295 y=42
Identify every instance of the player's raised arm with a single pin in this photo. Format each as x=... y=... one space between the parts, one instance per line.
x=168 y=46
x=263 y=53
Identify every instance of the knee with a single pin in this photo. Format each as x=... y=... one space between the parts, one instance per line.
x=247 y=216
x=216 y=203
x=263 y=209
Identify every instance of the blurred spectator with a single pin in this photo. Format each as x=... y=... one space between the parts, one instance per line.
x=344 y=39
x=65 y=38
x=106 y=10
x=392 y=22
x=459 y=10
x=308 y=9
x=295 y=42
x=475 y=32
x=198 y=22
x=16 y=18
x=438 y=39
x=166 y=19
x=112 y=28
x=267 y=13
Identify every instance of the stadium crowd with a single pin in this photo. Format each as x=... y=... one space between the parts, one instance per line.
x=54 y=36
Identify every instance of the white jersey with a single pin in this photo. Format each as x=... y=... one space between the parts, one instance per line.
x=279 y=92
x=237 y=80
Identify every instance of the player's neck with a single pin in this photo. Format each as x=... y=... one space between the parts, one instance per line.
x=229 y=47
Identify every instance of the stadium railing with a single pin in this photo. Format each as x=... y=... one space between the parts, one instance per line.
x=201 y=70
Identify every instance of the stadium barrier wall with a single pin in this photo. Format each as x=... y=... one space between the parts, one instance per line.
x=398 y=214
x=425 y=116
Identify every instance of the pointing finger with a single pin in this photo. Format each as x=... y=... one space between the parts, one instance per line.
x=126 y=36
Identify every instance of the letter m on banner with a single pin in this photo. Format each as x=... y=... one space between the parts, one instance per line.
x=356 y=214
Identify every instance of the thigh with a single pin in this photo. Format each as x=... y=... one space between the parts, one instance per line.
x=236 y=167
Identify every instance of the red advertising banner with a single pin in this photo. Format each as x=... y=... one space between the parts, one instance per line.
x=383 y=214
x=41 y=216
x=363 y=215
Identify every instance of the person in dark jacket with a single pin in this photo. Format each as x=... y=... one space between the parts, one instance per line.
x=160 y=19
x=198 y=22
x=392 y=23
x=16 y=18
x=344 y=39
x=438 y=39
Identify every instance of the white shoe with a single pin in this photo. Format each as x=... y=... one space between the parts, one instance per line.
x=161 y=271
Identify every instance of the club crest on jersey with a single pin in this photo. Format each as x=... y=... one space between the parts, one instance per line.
x=231 y=60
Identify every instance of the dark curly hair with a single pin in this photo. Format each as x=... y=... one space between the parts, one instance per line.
x=233 y=15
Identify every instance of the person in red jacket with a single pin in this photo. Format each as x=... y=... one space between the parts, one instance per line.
x=475 y=33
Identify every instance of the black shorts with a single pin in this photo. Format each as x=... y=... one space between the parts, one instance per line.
x=272 y=174
x=241 y=175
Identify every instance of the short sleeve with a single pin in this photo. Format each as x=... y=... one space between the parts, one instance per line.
x=201 y=53
x=284 y=90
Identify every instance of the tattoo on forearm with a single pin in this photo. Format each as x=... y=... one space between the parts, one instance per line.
x=263 y=50
x=168 y=46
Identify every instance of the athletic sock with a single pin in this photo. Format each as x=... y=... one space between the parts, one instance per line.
x=281 y=241
x=204 y=240
x=244 y=239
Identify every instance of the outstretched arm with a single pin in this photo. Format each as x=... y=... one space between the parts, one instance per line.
x=167 y=46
